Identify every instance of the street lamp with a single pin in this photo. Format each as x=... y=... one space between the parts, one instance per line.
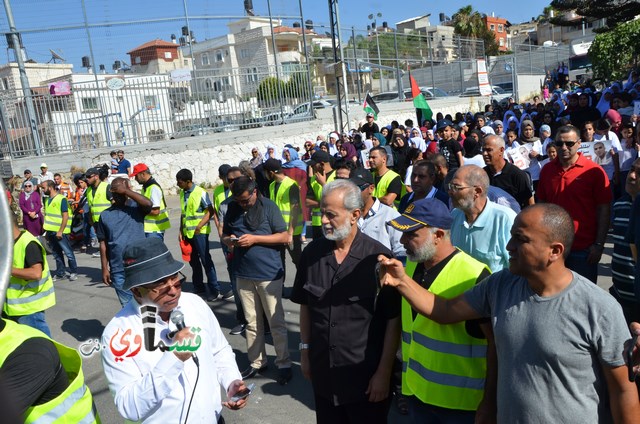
x=374 y=26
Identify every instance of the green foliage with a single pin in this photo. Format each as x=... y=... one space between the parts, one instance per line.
x=269 y=89
x=615 y=12
x=613 y=53
x=298 y=85
x=468 y=23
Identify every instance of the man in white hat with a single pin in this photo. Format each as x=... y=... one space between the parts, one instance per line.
x=45 y=174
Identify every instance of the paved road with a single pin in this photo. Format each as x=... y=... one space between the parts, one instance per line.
x=85 y=306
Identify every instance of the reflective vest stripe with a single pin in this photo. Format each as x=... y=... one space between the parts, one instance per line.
x=477 y=351
x=31 y=284
x=316 y=214
x=97 y=200
x=383 y=186
x=25 y=297
x=59 y=410
x=75 y=403
x=160 y=222
x=442 y=364
x=190 y=217
x=53 y=215
x=446 y=379
x=32 y=298
x=282 y=200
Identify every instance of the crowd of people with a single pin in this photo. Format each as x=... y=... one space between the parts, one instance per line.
x=450 y=264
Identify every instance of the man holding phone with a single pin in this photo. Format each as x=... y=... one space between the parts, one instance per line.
x=170 y=385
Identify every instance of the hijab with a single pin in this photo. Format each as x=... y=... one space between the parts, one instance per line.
x=28 y=194
x=295 y=161
x=604 y=105
x=351 y=151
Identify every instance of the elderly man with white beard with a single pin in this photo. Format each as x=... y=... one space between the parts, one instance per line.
x=444 y=366
x=349 y=325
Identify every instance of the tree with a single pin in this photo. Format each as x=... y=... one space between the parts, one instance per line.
x=615 y=52
x=614 y=11
x=468 y=23
x=298 y=84
x=269 y=90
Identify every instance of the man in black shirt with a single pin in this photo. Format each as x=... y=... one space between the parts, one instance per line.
x=504 y=175
x=369 y=127
x=349 y=326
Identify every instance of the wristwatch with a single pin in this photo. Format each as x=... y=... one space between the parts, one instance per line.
x=303 y=346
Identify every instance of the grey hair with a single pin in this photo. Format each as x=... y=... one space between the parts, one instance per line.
x=447 y=233
x=476 y=176
x=352 y=197
x=497 y=139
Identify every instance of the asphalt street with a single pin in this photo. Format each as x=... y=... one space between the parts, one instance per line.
x=84 y=307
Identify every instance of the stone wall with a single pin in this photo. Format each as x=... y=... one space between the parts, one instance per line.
x=203 y=155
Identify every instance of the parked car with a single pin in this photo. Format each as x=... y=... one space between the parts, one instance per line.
x=497 y=93
x=388 y=96
x=428 y=92
x=192 y=131
x=297 y=114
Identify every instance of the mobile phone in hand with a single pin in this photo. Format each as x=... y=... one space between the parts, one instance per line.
x=243 y=394
x=628 y=353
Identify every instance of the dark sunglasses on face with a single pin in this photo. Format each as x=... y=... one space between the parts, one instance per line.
x=569 y=144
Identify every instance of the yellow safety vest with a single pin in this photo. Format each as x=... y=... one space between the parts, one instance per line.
x=156 y=223
x=190 y=217
x=53 y=215
x=220 y=194
x=441 y=364
x=284 y=202
x=316 y=215
x=98 y=202
x=75 y=404
x=383 y=186
x=26 y=297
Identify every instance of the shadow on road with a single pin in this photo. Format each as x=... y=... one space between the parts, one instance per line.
x=83 y=330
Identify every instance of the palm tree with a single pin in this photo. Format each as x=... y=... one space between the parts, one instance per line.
x=468 y=22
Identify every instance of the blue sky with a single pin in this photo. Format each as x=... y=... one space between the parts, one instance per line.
x=112 y=43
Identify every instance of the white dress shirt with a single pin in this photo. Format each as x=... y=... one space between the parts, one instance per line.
x=155 y=387
x=374 y=224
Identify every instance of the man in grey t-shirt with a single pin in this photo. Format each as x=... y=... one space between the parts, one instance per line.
x=558 y=337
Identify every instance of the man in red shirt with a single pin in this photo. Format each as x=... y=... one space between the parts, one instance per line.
x=582 y=188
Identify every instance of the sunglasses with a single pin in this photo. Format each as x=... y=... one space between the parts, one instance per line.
x=569 y=144
x=173 y=282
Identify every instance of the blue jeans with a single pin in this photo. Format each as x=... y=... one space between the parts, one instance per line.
x=59 y=248
x=117 y=281
x=201 y=257
x=35 y=320
x=232 y=278
x=577 y=261
x=156 y=235
x=89 y=232
x=425 y=413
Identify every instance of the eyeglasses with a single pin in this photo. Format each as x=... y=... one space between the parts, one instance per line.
x=28 y=185
x=230 y=180
x=569 y=144
x=455 y=187
x=174 y=282
x=245 y=202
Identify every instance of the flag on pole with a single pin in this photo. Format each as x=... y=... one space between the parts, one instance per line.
x=370 y=106
x=419 y=102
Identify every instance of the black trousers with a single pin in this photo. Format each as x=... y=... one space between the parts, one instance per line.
x=352 y=413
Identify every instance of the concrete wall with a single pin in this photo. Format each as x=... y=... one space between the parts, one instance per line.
x=203 y=155
x=529 y=86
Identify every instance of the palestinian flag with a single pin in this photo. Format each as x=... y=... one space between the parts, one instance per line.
x=419 y=102
x=370 y=106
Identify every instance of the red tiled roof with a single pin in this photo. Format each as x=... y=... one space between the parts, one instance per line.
x=153 y=43
x=283 y=28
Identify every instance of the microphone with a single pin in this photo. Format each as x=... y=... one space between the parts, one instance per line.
x=177 y=318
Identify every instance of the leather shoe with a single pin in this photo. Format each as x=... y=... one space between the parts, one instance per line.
x=252 y=372
x=284 y=375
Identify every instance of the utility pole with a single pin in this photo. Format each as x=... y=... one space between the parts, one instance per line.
x=338 y=59
x=24 y=81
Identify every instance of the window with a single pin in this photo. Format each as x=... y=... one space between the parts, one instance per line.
x=501 y=41
x=252 y=75
x=225 y=81
x=90 y=104
x=245 y=54
x=5 y=83
x=167 y=55
x=444 y=37
x=204 y=59
x=138 y=59
x=500 y=28
x=492 y=27
x=219 y=57
x=150 y=102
